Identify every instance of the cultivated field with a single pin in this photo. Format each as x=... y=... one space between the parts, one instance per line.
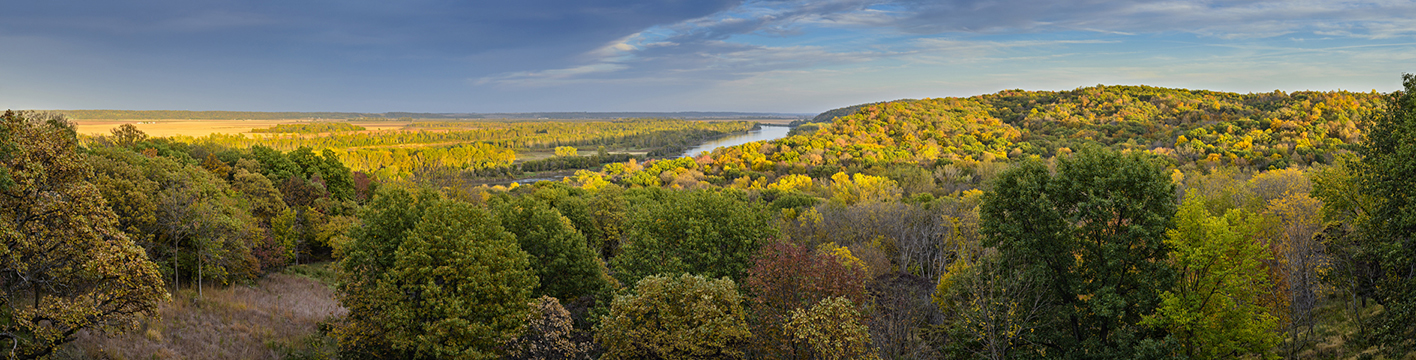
x=206 y=127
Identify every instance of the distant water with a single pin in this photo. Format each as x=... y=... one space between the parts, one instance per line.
x=767 y=132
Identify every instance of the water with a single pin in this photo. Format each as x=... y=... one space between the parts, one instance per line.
x=768 y=132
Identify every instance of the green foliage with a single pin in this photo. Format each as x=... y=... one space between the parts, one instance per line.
x=311 y=128
x=710 y=232
x=832 y=329
x=1216 y=310
x=676 y=317
x=462 y=285
x=1385 y=172
x=189 y=221
x=368 y=258
x=481 y=147
x=455 y=284
x=559 y=253
x=67 y=266
x=1093 y=233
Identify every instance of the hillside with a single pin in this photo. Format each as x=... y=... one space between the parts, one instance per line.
x=1189 y=126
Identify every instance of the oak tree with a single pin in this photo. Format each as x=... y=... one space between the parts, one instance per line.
x=64 y=264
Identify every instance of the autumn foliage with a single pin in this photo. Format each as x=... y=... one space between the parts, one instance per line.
x=788 y=277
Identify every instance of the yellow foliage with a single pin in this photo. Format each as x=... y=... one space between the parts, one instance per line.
x=861 y=188
x=792 y=182
x=842 y=255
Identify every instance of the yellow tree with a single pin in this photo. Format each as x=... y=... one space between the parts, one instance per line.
x=1214 y=310
x=64 y=264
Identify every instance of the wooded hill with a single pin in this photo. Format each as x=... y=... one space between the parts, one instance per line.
x=1247 y=130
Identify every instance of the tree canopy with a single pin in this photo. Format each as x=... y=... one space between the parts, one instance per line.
x=64 y=263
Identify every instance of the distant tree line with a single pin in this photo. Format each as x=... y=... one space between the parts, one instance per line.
x=310 y=128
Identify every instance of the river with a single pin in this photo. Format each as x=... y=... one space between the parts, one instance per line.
x=767 y=132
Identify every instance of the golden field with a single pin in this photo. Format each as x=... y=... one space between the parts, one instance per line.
x=206 y=127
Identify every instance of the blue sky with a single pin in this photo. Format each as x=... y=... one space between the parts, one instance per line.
x=673 y=55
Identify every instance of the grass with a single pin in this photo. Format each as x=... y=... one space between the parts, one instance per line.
x=278 y=317
x=1336 y=328
x=322 y=272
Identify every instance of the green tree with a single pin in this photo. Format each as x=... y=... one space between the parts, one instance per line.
x=427 y=278
x=1215 y=310
x=676 y=317
x=64 y=263
x=713 y=233
x=187 y=219
x=368 y=259
x=1352 y=266
x=1093 y=234
x=262 y=197
x=1385 y=172
x=559 y=254
x=462 y=285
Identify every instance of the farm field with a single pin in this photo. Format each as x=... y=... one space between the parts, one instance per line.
x=199 y=128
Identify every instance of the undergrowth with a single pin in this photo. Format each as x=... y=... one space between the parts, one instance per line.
x=279 y=317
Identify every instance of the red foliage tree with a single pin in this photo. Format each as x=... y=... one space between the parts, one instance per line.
x=788 y=277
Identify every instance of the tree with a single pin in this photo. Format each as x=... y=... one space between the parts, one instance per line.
x=1215 y=309
x=427 y=278
x=676 y=317
x=64 y=264
x=1385 y=172
x=567 y=151
x=1352 y=267
x=461 y=284
x=559 y=254
x=1093 y=234
x=549 y=335
x=363 y=275
x=991 y=313
x=262 y=197
x=713 y=233
x=788 y=277
x=1295 y=220
x=831 y=329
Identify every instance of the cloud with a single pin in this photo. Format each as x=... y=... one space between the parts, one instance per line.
x=768 y=35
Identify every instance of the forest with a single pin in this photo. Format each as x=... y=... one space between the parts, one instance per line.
x=1102 y=222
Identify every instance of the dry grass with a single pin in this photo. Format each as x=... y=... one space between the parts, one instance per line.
x=279 y=315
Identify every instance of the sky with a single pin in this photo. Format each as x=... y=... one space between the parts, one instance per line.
x=674 y=55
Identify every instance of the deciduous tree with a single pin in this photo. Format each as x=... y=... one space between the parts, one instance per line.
x=676 y=317
x=1094 y=235
x=1215 y=309
x=64 y=264
x=1385 y=172
x=789 y=277
x=712 y=232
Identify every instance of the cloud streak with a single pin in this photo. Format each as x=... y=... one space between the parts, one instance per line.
x=574 y=55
